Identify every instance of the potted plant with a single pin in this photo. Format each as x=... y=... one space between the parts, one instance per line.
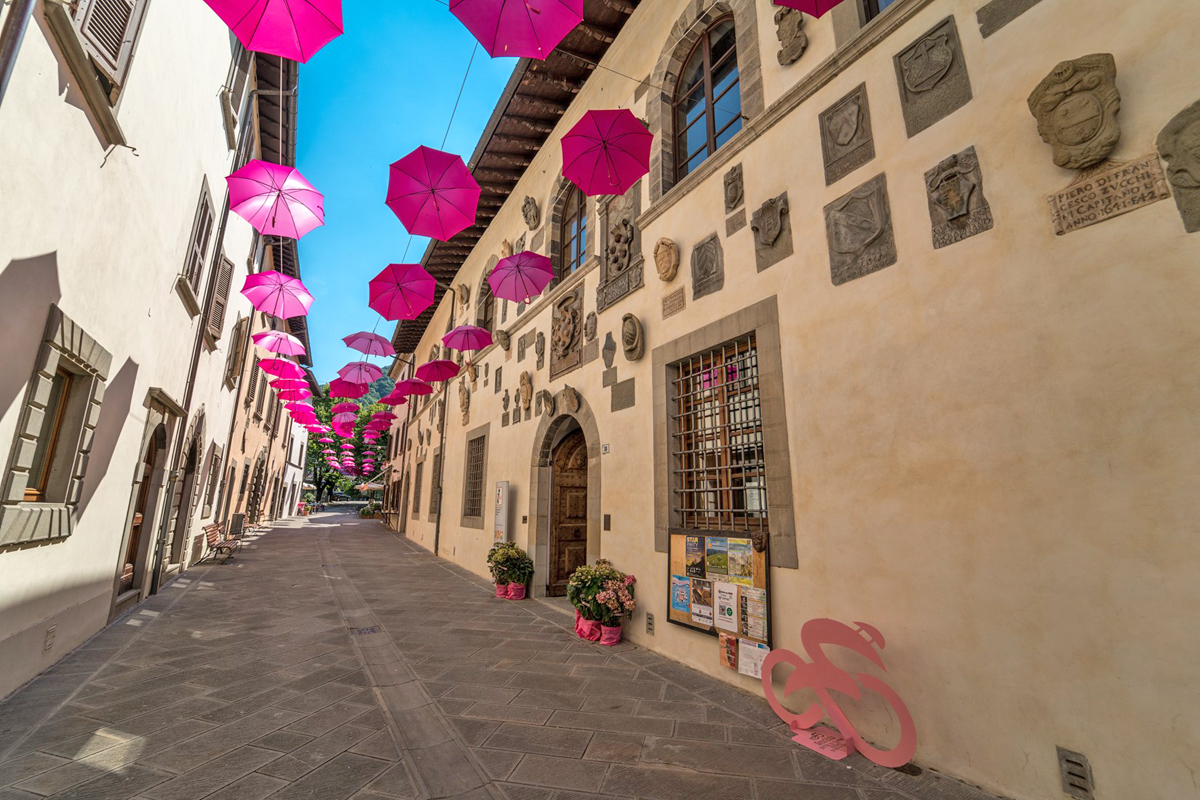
x=518 y=571
x=602 y=595
x=497 y=560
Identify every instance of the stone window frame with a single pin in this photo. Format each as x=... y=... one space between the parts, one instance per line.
x=481 y=432
x=418 y=478
x=64 y=344
x=761 y=319
x=660 y=107
x=437 y=491
x=204 y=219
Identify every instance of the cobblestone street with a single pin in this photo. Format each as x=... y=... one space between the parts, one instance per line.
x=333 y=659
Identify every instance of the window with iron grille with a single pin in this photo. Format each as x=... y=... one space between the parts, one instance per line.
x=717 y=433
x=473 y=502
x=417 y=489
x=435 y=484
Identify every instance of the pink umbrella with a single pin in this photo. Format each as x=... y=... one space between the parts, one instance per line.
x=439 y=370
x=360 y=372
x=371 y=344
x=325 y=440
x=294 y=394
x=393 y=399
x=347 y=446
x=279 y=342
x=433 y=193
x=294 y=29
x=412 y=386
x=401 y=291
x=327 y=451
x=519 y=28
x=280 y=368
x=342 y=419
x=276 y=200
x=295 y=406
x=521 y=276
x=288 y=383
x=343 y=407
x=814 y=8
x=467 y=337
x=277 y=294
x=383 y=415
x=606 y=152
x=342 y=388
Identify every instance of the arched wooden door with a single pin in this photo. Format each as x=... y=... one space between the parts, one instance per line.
x=568 y=511
x=140 y=510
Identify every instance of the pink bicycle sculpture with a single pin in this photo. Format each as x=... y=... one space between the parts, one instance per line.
x=822 y=676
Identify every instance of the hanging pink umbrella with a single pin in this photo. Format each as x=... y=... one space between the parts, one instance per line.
x=325 y=440
x=467 y=337
x=393 y=399
x=277 y=294
x=606 y=152
x=279 y=342
x=387 y=415
x=521 y=277
x=519 y=28
x=294 y=394
x=294 y=29
x=343 y=388
x=288 y=383
x=327 y=451
x=347 y=446
x=275 y=199
x=371 y=344
x=280 y=368
x=401 y=291
x=343 y=407
x=814 y=8
x=297 y=406
x=439 y=370
x=433 y=193
x=412 y=386
x=360 y=372
x=342 y=419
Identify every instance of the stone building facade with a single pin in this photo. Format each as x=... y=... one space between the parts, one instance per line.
x=124 y=335
x=942 y=275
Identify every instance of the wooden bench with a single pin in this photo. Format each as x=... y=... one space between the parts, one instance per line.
x=217 y=543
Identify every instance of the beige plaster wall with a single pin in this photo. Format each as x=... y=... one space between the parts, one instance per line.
x=993 y=445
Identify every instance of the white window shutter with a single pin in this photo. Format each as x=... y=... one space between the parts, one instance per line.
x=107 y=29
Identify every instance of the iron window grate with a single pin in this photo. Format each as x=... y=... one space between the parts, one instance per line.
x=417 y=488
x=719 y=463
x=474 y=499
x=435 y=483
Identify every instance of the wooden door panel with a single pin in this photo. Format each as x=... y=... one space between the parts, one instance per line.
x=568 y=512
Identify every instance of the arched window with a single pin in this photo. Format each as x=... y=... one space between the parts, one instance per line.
x=572 y=235
x=485 y=316
x=708 y=101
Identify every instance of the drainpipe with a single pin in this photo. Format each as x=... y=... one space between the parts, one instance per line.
x=10 y=39
x=437 y=531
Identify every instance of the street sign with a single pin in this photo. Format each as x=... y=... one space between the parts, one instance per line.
x=501 y=511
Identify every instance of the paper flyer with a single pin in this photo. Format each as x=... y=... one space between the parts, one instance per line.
x=728 y=650
x=681 y=594
x=702 y=600
x=694 y=556
x=741 y=562
x=750 y=657
x=726 y=596
x=717 y=555
x=752 y=612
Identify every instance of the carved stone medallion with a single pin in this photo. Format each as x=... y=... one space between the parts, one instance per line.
x=566 y=333
x=1179 y=145
x=526 y=390
x=621 y=265
x=666 y=259
x=1076 y=109
x=957 y=208
x=846 y=141
x=932 y=75
x=589 y=327
x=735 y=189
x=532 y=213
x=504 y=340
x=708 y=267
x=793 y=41
x=464 y=295
x=858 y=226
x=772 y=229
x=633 y=338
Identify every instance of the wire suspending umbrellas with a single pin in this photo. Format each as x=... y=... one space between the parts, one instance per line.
x=606 y=152
x=275 y=199
x=519 y=28
x=433 y=193
x=294 y=29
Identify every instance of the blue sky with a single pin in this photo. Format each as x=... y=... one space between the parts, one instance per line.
x=370 y=97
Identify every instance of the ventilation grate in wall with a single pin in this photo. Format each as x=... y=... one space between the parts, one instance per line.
x=1076 y=774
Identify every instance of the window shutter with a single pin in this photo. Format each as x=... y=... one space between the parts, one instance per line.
x=198 y=247
x=232 y=358
x=253 y=383
x=234 y=94
x=216 y=315
x=107 y=29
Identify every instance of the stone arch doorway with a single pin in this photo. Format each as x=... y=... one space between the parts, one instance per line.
x=147 y=483
x=573 y=439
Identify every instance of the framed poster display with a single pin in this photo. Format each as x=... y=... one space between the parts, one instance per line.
x=718 y=585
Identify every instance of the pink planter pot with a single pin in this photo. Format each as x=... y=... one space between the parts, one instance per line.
x=610 y=636
x=516 y=591
x=501 y=590
x=586 y=628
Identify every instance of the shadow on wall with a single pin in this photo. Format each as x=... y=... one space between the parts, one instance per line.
x=118 y=398
x=28 y=287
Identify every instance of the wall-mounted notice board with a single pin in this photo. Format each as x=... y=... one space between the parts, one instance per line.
x=718 y=584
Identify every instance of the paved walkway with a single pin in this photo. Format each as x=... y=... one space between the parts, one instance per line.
x=332 y=659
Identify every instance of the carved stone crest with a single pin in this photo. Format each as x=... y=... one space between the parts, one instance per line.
x=846 y=140
x=539 y=347
x=464 y=295
x=793 y=41
x=609 y=351
x=735 y=189
x=464 y=402
x=858 y=226
x=503 y=339
x=506 y=401
x=546 y=404
x=933 y=78
x=666 y=259
x=506 y=248
x=708 y=267
x=633 y=338
x=957 y=208
x=589 y=327
x=532 y=213
x=526 y=390
x=434 y=353
x=772 y=232
x=621 y=253
x=1076 y=109
x=566 y=333
x=570 y=400
x=620 y=240
x=1179 y=145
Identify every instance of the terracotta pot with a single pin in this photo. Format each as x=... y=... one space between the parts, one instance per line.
x=516 y=591
x=501 y=590
x=586 y=628
x=610 y=636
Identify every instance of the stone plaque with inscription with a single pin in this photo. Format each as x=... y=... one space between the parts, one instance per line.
x=858 y=226
x=957 y=208
x=1108 y=190
x=735 y=223
x=673 y=303
x=708 y=267
x=591 y=351
x=623 y=396
x=933 y=77
x=846 y=141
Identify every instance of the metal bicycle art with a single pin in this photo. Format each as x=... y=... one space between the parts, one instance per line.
x=821 y=675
